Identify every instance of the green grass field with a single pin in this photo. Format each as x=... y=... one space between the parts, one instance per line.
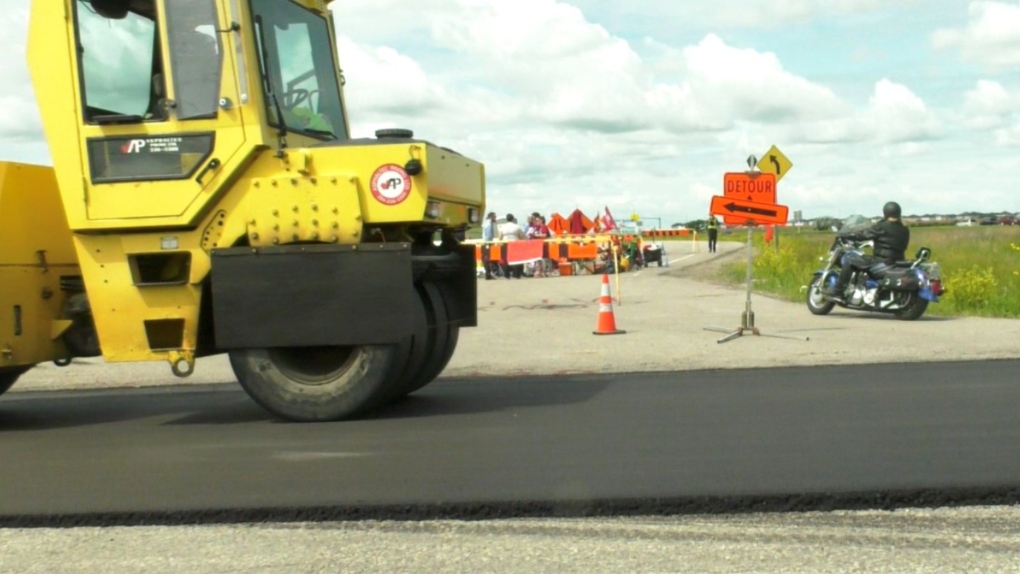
x=980 y=266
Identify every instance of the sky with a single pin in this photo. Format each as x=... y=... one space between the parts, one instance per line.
x=641 y=107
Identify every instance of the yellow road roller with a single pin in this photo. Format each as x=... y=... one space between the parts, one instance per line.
x=207 y=197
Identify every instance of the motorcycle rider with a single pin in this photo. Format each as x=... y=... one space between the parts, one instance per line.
x=891 y=238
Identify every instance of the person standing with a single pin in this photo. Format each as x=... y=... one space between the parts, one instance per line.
x=713 y=232
x=511 y=231
x=539 y=230
x=488 y=236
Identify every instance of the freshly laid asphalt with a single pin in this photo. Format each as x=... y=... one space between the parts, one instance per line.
x=651 y=443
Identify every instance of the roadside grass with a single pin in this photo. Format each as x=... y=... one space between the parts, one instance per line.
x=980 y=266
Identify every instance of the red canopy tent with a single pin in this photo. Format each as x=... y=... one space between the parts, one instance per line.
x=579 y=223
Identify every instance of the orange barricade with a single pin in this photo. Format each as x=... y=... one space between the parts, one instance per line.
x=666 y=233
x=582 y=251
x=562 y=250
x=495 y=252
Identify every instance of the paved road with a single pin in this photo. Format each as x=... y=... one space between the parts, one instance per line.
x=654 y=442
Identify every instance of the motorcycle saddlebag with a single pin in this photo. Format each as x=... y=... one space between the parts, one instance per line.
x=907 y=282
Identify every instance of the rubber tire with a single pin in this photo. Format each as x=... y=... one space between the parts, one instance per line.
x=814 y=290
x=914 y=310
x=420 y=346
x=10 y=376
x=444 y=334
x=349 y=390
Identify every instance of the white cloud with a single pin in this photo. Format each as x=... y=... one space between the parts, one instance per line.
x=382 y=79
x=732 y=14
x=553 y=65
x=557 y=66
x=991 y=38
x=1008 y=136
x=727 y=84
x=988 y=106
x=19 y=116
x=898 y=115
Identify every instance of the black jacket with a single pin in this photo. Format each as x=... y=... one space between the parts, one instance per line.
x=891 y=239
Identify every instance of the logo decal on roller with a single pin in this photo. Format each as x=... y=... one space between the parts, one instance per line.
x=391 y=184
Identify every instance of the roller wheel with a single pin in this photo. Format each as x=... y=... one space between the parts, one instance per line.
x=442 y=335
x=816 y=302
x=419 y=346
x=9 y=376
x=317 y=383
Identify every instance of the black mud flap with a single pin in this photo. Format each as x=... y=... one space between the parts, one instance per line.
x=312 y=295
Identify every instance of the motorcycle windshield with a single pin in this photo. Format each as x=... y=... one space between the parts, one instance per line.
x=854 y=223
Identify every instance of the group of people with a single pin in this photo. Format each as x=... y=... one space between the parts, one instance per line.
x=890 y=238
x=509 y=231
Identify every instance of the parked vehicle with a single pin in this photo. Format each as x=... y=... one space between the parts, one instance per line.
x=904 y=289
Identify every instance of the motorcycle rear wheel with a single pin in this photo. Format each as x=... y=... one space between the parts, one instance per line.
x=913 y=308
x=816 y=302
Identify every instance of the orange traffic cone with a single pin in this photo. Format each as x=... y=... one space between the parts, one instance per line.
x=607 y=321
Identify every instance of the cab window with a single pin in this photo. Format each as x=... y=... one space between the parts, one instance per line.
x=299 y=74
x=196 y=57
x=121 y=67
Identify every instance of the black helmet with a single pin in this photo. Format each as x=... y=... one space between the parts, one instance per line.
x=891 y=210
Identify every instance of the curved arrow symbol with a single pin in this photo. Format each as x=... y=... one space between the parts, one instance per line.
x=775 y=162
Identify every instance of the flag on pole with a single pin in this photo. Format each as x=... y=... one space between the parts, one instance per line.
x=608 y=223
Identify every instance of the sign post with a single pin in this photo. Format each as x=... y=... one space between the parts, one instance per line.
x=776 y=163
x=736 y=211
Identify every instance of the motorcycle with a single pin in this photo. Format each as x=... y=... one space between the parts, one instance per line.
x=904 y=289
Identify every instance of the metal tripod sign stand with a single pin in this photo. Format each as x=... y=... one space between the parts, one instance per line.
x=747 y=318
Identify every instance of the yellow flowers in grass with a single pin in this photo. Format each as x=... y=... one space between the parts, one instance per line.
x=1015 y=247
x=973 y=288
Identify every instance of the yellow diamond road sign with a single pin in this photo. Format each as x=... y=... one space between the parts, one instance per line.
x=775 y=162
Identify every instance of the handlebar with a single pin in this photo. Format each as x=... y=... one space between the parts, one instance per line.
x=848 y=243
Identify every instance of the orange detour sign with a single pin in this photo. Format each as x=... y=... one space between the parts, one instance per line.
x=737 y=212
x=754 y=186
x=607 y=321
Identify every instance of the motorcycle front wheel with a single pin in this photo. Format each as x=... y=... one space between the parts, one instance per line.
x=912 y=306
x=816 y=302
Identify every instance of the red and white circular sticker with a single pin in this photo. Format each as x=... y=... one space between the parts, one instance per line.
x=391 y=184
